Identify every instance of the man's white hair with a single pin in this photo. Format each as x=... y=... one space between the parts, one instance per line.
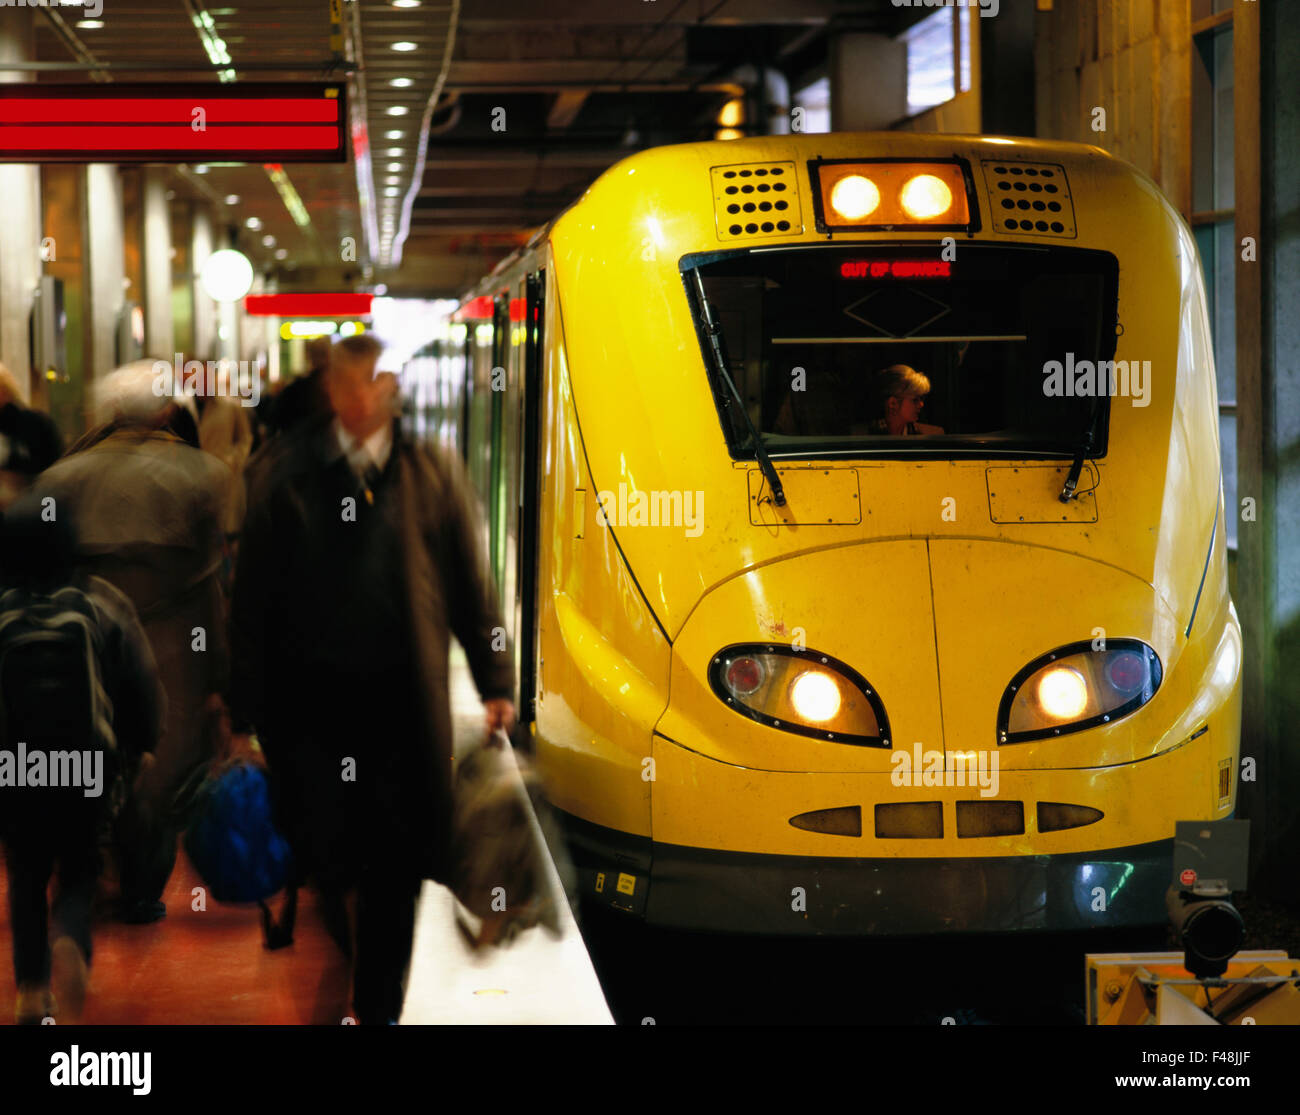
x=132 y=393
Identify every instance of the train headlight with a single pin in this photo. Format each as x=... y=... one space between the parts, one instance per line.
x=854 y=197
x=815 y=696
x=803 y=692
x=853 y=194
x=1076 y=687
x=1062 y=693
x=925 y=197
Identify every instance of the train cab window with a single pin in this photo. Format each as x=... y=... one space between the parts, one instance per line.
x=891 y=351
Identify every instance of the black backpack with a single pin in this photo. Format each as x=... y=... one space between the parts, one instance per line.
x=52 y=696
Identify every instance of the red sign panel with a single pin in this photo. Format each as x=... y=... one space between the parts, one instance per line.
x=1188 y=877
x=269 y=122
x=896 y=269
x=308 y=305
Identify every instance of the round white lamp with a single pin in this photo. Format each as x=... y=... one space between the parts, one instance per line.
x=227 y=275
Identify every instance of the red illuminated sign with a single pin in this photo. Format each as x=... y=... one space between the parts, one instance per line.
x=308 y=305
x=282 y=122
x=476 y=309
x=896 y=269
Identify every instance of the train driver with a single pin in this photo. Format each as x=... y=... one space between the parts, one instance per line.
x=901 y=393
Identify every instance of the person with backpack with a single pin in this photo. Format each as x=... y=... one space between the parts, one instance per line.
x=79 y=709
x=150 y=507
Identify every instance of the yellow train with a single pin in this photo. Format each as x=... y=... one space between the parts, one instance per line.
x=859 y=499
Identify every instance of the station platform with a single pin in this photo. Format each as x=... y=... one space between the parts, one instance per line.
x=208 y=967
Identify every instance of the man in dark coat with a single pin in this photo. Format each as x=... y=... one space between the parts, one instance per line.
x=360 y=557
x=305 y=396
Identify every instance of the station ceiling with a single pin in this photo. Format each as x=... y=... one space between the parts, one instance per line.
x=438 y=193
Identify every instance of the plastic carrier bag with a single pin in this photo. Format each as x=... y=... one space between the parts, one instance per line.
x=232 y=841
x=501 y=873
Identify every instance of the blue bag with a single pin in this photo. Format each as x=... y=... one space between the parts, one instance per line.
x=232 y=841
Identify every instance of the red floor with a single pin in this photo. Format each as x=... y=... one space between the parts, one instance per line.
x=201 y=967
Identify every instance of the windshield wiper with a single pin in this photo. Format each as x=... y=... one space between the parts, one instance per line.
x=714 y=332
x=1084 y=450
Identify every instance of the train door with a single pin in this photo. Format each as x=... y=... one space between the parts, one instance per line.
x=529 y=497
x=498 y=499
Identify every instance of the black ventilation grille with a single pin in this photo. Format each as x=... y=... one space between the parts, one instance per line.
x=909 y=820
x=1029 y=199
x=756 y=199
x=990 y=818
x=844 y=821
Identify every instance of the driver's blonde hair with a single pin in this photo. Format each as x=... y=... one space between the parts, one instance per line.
x=898 y=380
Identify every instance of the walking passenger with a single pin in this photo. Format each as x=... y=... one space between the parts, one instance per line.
x=360 y=558
x=150 y=508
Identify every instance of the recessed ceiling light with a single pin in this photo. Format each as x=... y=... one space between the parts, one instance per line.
x=200 y=170
x=398 y=110
x=394 y=166
x=268 y=241
x=393 y=180
x=90 y=24
x=392 y=191
x=405 y=47
x=401 y=83
x=395 y=152
x=253 y=223
x=396 y=134
x=281 y=253
x=406 y=3
x=232 y=199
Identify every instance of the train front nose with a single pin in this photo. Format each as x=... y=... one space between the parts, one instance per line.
x=938 y=824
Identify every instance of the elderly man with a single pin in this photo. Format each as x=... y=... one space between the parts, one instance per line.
x=150 y=510
x=360 y=557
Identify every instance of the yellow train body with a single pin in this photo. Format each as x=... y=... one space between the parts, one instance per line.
x=936 y=580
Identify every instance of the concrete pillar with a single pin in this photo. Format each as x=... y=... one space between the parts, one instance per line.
x=205 y=309
x=1268 y=573
x=105 y=265
x=155 y=254
x=20 y=231
x=868 y=82
x=1006 y=50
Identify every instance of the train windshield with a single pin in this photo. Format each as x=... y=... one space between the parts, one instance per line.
x=894 y=351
